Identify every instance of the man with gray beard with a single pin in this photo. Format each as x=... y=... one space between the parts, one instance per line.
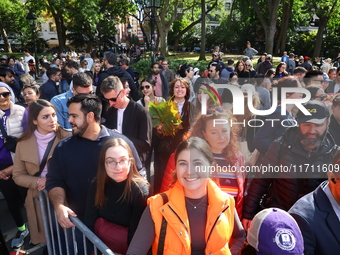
x=302 y=155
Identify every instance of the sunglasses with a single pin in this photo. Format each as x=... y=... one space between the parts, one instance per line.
x=5 y=94
x=323 y=97
x=248 y=65
x=144 y=87
x=217 y=109
x=114 y=99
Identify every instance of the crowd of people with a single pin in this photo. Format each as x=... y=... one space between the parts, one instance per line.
x=161 y=162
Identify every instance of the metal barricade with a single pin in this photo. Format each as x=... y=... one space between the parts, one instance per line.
x=59 y=241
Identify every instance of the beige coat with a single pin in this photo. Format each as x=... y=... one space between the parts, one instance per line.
x=26 y=165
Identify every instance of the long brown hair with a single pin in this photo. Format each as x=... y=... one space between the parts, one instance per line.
x=33 y=113
x=231 y=151
x=194 y=143
x=102 y=177
x=172 y=88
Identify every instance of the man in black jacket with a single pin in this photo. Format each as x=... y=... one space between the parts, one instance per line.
x=298 y=157
x=126 y=116
x=110 y=62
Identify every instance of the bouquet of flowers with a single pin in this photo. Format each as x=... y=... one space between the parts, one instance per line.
x=165 y=117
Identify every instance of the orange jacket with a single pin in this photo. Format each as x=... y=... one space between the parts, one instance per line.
x=219 y=226
x=239 y=161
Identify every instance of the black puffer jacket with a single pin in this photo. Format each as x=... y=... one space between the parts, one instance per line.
x=120 y=73
x=283 y=189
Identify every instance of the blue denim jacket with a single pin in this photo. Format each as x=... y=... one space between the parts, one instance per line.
x=60 y=103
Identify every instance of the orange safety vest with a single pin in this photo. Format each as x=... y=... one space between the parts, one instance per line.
x=219 y=225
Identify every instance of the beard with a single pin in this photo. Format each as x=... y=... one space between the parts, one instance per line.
x=155 y=72
x=80 y=129
x=312 y=143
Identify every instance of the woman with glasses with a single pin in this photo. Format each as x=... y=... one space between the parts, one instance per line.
x=317 y=92
x=195 y=216
x=148 y=86
x=83 y=66
x=281 y=71
x=117 y=197
x=13 y=119
x=248 y=73
x=34 y=150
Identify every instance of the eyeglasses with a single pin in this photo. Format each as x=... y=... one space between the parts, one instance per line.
x=113 y=164
x=323 y=97
x=90 y=93
x=248 y=65
x=217 y=109
x=114 y=99
x=5 y=94
x=144 y=87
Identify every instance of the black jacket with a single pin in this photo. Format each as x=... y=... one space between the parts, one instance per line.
x=48 y=90
x=264 y=67
x=120 y=73
x=334 y=129
x=283 y=189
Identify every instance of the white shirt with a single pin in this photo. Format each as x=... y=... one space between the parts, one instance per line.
x=334 y=203
x=336 y=88
x=27 y=58
x=120 y=115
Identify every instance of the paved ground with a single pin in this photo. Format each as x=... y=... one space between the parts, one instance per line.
x=9 y=230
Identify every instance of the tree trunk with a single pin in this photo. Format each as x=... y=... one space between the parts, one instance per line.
x=287 y=11
x=61 y=31
x=270 y=34
x=230 y=18
x=203 y=32
x=7 y=44
x=269 y=28
x=318 y=40
x=163 y=40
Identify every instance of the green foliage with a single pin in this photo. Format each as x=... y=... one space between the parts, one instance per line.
x=144 y=66
x=13 y=20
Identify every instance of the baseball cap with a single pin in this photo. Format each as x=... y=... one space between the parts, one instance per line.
x=306 y=58
x=216 y=53
x=3 y=57
x=269 y=56
x=196 y=69
x=318 y=110
x=326 y=77
x=274 y=231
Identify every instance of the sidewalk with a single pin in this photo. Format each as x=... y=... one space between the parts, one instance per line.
x=9 y=230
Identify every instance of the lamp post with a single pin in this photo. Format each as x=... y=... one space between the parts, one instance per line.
x=31 y=18
x=129 y=30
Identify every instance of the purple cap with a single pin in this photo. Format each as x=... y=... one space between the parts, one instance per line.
x=274 y=231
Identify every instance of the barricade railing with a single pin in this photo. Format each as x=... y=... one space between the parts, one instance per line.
x=63 y=241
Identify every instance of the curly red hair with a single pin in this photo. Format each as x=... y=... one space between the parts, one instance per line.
x=232 y=150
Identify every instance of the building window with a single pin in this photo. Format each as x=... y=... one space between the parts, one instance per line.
x=228 y=6
x=52 y=27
